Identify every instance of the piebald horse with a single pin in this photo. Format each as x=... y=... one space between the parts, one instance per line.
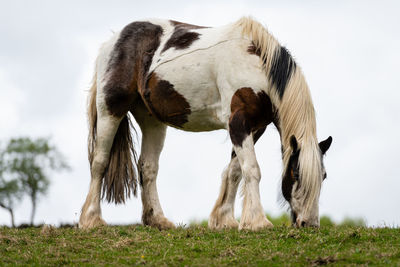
x=235 y=77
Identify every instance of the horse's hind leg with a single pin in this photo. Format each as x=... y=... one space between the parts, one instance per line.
x=107 y=126
x=153 y=136
x=110 y=100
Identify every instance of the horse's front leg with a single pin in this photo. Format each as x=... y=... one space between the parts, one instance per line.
x=222 y=215
x=153 y=136
x=253 y=216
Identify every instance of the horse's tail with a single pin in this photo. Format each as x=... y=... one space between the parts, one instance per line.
x=92 y=119
x=120 y=175
x=119 y=179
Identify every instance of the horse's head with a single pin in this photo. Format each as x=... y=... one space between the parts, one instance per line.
x=303 y=201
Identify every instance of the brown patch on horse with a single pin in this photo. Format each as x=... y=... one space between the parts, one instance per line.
x=119 y=99
x=164 y=102
x=253 y=50
x=182 y=37
x=250 y=112
x=129 y=63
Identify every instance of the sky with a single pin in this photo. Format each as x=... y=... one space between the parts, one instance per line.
x=349 y=53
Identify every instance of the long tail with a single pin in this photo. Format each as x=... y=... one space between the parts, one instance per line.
x=92 y=119
x=120 y=178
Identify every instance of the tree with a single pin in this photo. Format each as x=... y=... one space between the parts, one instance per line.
x=10 y=191
x=29 y=161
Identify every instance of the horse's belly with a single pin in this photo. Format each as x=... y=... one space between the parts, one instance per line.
x=192 y=94
x=204 y=118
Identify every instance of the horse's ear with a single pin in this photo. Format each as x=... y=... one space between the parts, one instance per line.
x=324 y=145
x=293 y=144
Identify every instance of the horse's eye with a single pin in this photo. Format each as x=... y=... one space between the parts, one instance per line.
x=295 y=174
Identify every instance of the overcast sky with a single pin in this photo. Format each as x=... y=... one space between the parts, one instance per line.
x=349 y=52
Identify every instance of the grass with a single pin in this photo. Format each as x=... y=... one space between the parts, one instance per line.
x=198 y=246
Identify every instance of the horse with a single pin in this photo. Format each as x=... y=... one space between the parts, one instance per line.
x=235 y=77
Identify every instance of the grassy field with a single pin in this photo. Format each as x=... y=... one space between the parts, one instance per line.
x=198 y=246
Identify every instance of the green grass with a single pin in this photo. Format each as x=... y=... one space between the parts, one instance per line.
x=198 y=246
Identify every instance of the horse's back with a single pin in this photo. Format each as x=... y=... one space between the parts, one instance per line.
x=185 y=74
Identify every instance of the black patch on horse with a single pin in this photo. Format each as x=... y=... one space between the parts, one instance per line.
x=129 y=63
x=140 y=177
x=291 y=175
x=256 y=135
x=182 y=38
x=259 y=132
x=282 y=67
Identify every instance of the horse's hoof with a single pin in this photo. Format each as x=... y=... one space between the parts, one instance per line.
x=222 y=223
x=159 y=222
x=88 y=223
x=258 y=225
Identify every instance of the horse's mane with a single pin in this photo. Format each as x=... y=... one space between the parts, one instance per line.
x=262 y=39
x=295 y=111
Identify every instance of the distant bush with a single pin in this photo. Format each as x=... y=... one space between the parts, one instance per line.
x=285 y=220
x=326 y=221
x=353 y=222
